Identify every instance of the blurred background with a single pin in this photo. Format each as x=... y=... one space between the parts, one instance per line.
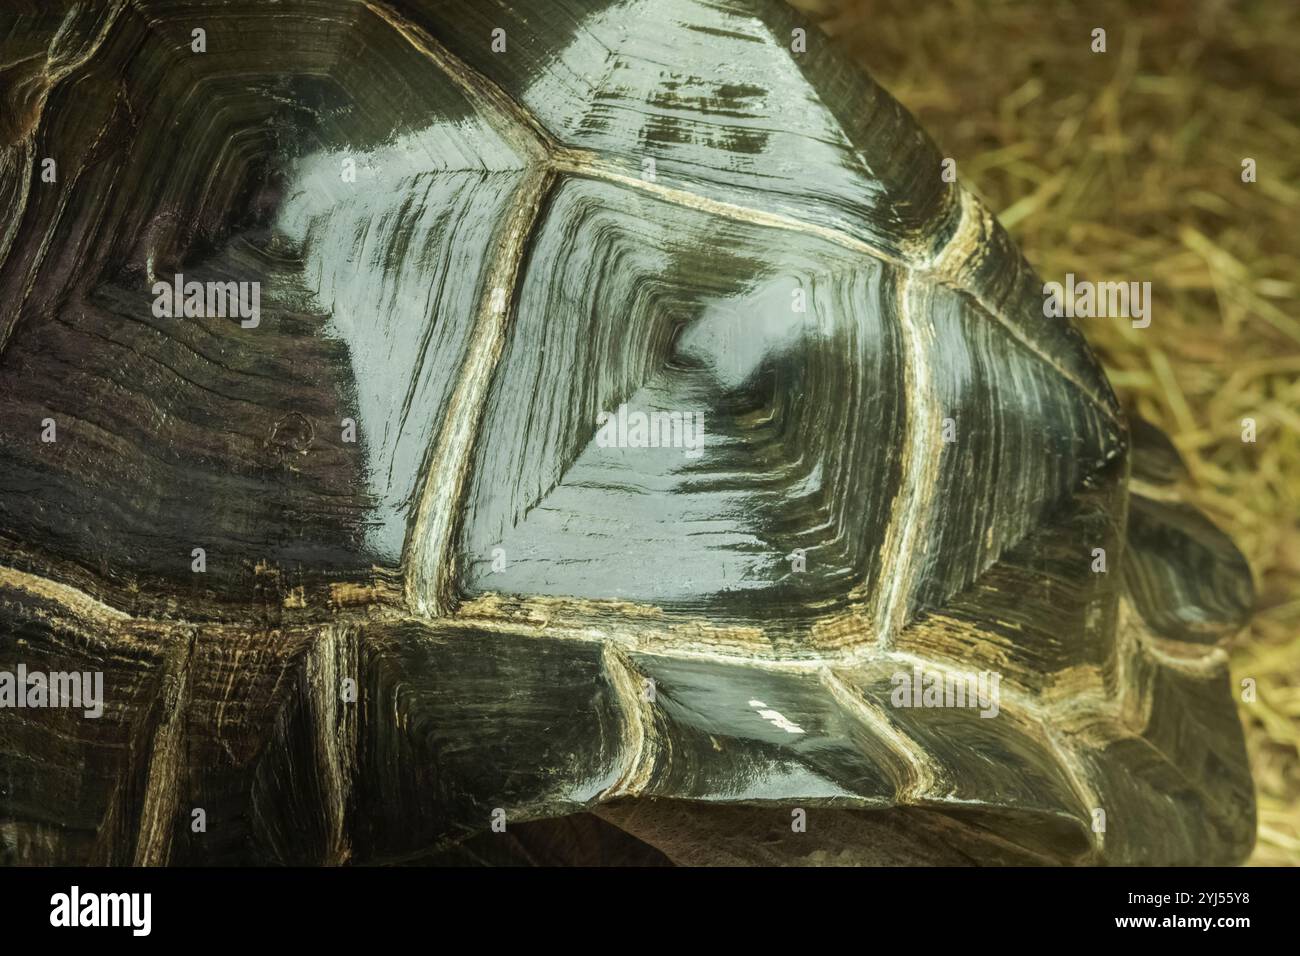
x=1127 y=166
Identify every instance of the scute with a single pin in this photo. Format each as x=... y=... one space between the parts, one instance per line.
x=175 y=431
x=786 y=348
x=712 y=93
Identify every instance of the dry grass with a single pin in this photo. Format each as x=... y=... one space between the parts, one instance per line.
x=1127 y=166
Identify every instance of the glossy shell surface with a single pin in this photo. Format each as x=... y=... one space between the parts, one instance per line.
x=487 y=236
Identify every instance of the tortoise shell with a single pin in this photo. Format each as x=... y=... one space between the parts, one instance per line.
x=432 y=418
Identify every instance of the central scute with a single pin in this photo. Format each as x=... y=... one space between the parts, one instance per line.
x=691 y=412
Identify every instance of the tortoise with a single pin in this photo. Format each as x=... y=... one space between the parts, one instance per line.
x=562 y=431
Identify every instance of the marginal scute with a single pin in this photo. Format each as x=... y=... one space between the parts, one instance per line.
x=1185 y=576
x=67 y=782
